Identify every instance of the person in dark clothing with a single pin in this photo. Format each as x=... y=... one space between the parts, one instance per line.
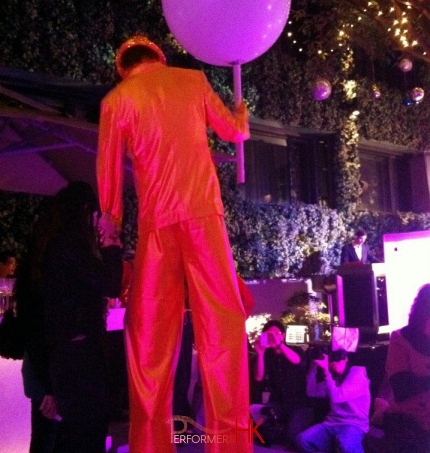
x=358 y=251
x=284 y=368
x=67 y=280
x=30 y=311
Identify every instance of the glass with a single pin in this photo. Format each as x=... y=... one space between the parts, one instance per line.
x=6 y=293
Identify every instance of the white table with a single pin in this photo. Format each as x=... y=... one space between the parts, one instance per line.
x=15 y=409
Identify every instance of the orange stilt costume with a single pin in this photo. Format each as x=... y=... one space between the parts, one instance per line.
x=159 y=115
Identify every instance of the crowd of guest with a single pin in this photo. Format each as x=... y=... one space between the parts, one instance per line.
x=299 y=385
x=318 y=400
x=400 y=413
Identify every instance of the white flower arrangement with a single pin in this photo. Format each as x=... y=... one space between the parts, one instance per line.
x=255 y=324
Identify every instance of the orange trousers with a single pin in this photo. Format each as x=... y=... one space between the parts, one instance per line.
x=197 y=251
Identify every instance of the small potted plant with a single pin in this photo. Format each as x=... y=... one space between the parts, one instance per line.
x=306 y=309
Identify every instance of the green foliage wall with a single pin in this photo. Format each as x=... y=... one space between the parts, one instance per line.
x=18 y=213
x=271 y=241
x=268 y=241
x=77 y=39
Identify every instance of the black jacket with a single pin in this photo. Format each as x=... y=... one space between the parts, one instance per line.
x=75 y=284
x=350 y=256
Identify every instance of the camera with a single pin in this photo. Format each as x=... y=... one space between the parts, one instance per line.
x=338 y=355
x=264 y=339
x=317 y=352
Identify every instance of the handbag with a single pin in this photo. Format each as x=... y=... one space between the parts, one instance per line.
x=11 y=336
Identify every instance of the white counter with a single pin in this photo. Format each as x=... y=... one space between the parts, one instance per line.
x=15 y=409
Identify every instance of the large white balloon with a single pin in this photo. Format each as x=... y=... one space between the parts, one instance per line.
x=225 y=32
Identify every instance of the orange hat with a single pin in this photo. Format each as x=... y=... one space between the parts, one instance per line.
x=137 y=40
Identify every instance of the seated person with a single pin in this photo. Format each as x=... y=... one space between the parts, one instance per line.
x=358 y=251
x=349 y=393
x=284 y=369
x=406 y=422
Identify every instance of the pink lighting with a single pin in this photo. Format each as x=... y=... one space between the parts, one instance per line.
x=407 y=264
x=115 y=319
x=15 y=409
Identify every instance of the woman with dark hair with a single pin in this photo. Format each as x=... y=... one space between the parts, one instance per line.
x=407 y=420
x=35 y=367
x=67 y=279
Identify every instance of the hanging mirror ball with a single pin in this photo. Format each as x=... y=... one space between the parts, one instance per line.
x=405 y=65
x=417 y=94
x=321 y=89
x=376 y=92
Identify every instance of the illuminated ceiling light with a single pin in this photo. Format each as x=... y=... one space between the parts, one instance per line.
x=319 y=52
x=289 y=34
x=404 y=20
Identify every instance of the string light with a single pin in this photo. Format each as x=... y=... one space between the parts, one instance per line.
x=399 y=19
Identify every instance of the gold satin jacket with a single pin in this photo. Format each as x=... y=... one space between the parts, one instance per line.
x=158 y=115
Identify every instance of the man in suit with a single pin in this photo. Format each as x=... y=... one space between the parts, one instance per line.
x=357 y=251
x=158 y=116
